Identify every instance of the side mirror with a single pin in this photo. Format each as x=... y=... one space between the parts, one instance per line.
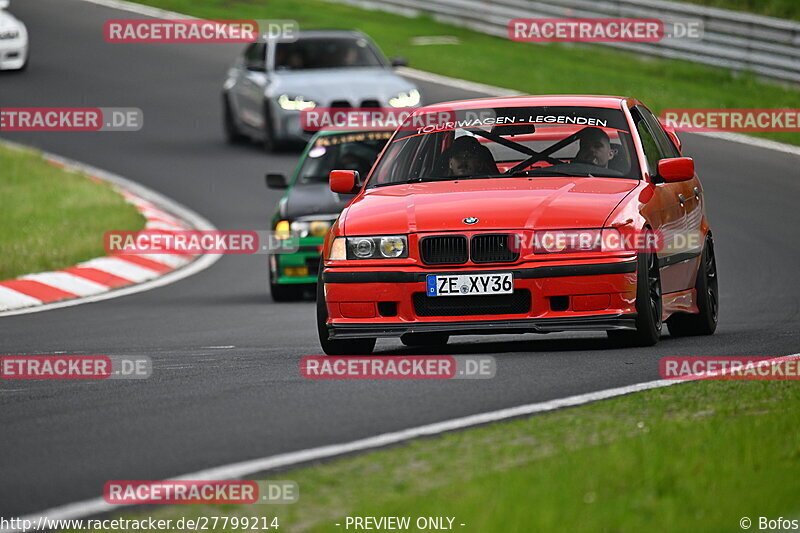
x=343 y=181
x=253 y=66
x=399 y=62
x=276 y=181
x=676 y=169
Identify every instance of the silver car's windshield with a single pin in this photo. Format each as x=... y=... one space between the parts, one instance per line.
x=321 y=53
x=509 y=142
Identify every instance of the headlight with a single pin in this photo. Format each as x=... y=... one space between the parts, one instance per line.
x=409 y=99
x=9 y=34
x=382 y=247
x=568 y=241
x=297 y=103
x=338 y=249
x=283 y=230
x=392 y=247
x=318 y=228
x=582 y=240
x=362 y=248
x=315 y=228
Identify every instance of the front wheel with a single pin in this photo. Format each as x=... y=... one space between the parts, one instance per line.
x=337 y=347
x=232 y=134
x=286 y=293
x=269 y=142
x=707 y=290
x=648 y=305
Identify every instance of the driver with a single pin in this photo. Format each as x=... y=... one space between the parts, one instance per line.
x=595 y=148
x=468 y=157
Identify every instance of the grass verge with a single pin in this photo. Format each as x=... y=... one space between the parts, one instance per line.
x=52 y=218
x=787 y=9
x=536 y=69
x=692 y=457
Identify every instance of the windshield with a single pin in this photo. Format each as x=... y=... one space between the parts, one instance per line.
x=342 y=151
x=510 y=142
x=316 y=53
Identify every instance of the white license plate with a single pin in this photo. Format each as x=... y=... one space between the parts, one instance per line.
x=470 y=284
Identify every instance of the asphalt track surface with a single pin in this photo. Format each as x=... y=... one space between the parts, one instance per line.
x=226 y=385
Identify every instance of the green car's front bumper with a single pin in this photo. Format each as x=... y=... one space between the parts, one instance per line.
x=298 y=267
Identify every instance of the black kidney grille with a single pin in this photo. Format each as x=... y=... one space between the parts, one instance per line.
x=493 y=249
x=444 y=249
x=517 y=303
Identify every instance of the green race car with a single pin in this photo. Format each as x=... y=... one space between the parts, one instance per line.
x=308 y=207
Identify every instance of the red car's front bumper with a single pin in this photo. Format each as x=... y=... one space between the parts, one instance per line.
x=548 y=296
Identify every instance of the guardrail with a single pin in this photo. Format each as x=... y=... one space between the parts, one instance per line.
x=767 y=46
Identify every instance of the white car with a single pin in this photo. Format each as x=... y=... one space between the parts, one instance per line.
x=13 y=41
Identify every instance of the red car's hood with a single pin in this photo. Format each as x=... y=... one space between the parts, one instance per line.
x=502 y=203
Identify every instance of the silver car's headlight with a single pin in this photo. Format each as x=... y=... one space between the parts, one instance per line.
x=9 y=34
x=297 y=103
x=380 y=247
x=409 y=99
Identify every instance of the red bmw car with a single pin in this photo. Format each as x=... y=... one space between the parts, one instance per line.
x=525 y=214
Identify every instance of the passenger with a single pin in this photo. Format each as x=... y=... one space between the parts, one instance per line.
x=595 y=148
x=468 y=157
x=350 y=57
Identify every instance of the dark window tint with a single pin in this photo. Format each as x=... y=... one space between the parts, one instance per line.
x=319 y=53
x=661 y=137
x=652 y=150
x=255 y=55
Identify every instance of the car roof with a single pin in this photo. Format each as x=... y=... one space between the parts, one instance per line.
x=613 y=102
x=329 y=34
x=327 y=133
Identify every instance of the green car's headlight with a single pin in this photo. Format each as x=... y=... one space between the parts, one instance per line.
x=314 y=228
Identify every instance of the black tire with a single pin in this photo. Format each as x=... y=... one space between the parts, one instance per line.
x=425 y=339
x=707 y=287
x=285 y=293
x=232 y=133
x=648 y=306
x=269 y=143
x=337 y=347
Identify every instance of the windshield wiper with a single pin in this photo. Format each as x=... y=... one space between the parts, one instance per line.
x=546 y=171
x=439 y=178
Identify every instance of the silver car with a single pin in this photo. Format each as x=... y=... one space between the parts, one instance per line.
x=272 y=82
